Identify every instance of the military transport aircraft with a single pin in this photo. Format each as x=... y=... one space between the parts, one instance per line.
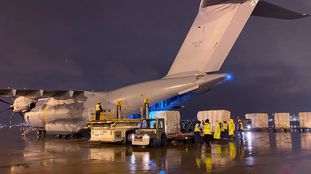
x=194 y=71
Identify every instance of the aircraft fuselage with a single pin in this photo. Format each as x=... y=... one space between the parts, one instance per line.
x=70 y=115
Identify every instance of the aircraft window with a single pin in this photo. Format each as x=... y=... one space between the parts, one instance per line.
x=145 y=124
x=148 y=124
x=152 y=124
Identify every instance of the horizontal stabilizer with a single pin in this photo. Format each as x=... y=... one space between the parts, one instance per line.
x=266 y=9
x=211 y=36
x=40 y=93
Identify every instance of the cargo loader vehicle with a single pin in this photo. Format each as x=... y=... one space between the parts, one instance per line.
x=151 y=132
x=161 y=127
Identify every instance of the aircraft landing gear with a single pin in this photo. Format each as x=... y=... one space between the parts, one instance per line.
x=41 y=132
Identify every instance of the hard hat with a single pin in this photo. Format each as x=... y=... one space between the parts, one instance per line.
x=146 y=100
x=119 y=102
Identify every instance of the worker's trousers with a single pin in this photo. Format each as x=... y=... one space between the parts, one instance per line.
x=208 y=138
x=197 y=137
x=97 y=114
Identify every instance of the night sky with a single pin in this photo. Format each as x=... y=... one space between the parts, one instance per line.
x=106 y=44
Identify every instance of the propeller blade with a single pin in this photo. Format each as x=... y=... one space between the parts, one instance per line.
x=3 y=101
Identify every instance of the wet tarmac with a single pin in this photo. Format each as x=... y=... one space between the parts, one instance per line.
x=260 y=152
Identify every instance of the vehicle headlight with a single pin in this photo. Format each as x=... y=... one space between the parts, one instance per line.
x=249 y=126
x=146 y=136
x=132 y=137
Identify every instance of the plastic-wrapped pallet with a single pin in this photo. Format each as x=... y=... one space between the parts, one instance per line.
x=282 y=120
x=171 y=119
x=305 y=119
x=214 y=116
x=259 y=120
x=305 y=141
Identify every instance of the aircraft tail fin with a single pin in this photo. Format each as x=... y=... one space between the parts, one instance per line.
x=212 y=35
x=214 y=32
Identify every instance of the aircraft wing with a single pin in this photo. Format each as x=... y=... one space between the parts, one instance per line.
x=8 y=93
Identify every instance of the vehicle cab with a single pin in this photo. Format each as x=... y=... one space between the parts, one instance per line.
x=151 y=132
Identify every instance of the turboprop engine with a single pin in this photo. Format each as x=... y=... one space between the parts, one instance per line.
x=23 y=104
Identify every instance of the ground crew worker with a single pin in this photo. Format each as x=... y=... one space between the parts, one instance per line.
x=231 y=127
x=98 y=110
x=224 y=130
x=197 y=133
x=207 y=132
x=217 y=132
x=240 y=128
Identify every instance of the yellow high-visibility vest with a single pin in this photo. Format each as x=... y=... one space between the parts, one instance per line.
x=196 y=128
x=225 y=126
x=207 y=129
x=241 y=125
x=217 y=131
x=231 y=127
x=97 y=107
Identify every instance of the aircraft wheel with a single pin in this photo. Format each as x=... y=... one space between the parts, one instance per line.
x=151 y=143
x=128 y=137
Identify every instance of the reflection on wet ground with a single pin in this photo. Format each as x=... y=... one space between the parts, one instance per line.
x=259 y=152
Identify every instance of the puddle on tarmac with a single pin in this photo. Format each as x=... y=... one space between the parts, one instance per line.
x=259 y=152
